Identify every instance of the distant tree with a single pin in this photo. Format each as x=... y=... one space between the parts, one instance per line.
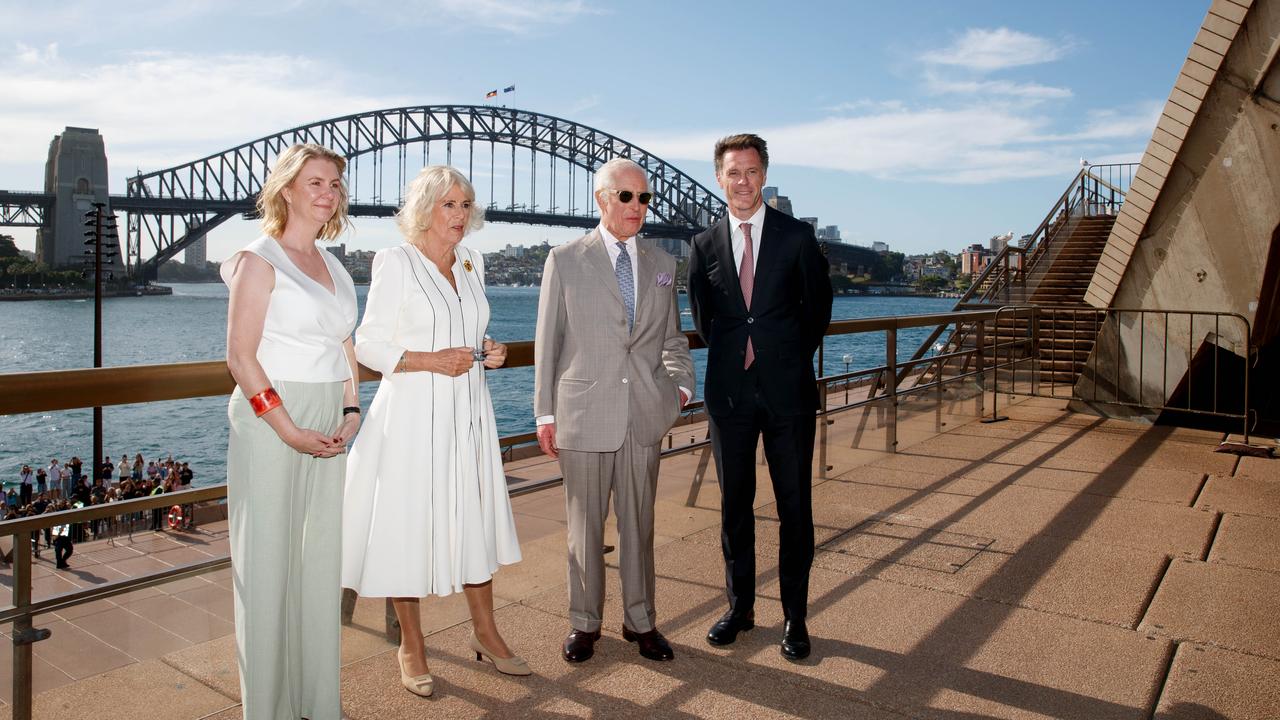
x=841 y=283
x=7 y=247
x=931 y=283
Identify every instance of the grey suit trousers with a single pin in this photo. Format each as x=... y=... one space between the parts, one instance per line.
x=631 y=474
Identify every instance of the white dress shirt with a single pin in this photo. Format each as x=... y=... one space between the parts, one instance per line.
x=611 y=244
x=739 y=240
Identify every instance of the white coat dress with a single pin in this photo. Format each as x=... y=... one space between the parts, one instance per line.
x=426 y=508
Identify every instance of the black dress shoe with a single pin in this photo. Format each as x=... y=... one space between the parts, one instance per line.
x=795 y=640
x=580 y=645
x=652 y=644
x=726 y=629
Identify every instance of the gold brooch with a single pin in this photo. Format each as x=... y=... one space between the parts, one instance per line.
x=466 y=265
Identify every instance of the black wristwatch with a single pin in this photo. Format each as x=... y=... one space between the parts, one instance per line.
x=351 y=409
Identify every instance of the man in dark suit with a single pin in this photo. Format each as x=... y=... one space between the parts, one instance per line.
x=761 y=300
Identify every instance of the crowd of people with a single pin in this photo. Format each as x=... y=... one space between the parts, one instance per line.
x=67 y=486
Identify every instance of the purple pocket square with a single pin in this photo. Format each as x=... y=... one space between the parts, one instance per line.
x=664 y=280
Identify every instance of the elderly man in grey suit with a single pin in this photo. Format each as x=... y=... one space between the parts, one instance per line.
x=612 y=371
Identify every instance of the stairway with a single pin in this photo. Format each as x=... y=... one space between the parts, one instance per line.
x=1068 y=326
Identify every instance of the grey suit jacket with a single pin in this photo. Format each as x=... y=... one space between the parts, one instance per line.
x=595 y=377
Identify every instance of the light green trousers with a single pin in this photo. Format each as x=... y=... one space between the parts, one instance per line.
x=285 y=516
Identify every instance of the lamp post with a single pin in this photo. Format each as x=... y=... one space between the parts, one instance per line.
x=103 y=233
x=848 y=359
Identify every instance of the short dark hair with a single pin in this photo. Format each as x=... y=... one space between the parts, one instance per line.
x=742 y=141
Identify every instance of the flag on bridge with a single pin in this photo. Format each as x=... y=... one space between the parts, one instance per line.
x=509 y=88
x=491 y=93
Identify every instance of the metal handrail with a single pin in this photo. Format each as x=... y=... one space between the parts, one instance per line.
x=1113 y=315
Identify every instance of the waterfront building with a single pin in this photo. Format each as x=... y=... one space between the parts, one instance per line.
x=830 y=233
x=880 y=247
x=781 y=203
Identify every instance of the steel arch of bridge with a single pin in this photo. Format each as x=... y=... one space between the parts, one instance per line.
x=178 y=205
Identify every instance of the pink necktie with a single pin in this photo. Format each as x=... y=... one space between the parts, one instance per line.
x=747 y=280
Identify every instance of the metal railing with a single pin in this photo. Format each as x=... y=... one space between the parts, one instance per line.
x=1167 y=343
x=1095 y=191
x=883 y=386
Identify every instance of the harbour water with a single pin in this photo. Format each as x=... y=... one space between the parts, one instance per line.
x=190 y=325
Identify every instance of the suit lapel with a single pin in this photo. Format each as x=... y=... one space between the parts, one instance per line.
x=600 y=266
x=724 y=255
x=770 y=240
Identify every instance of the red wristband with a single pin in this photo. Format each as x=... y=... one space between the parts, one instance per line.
x=265 y=401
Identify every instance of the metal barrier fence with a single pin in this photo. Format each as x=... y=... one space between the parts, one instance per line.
x=1167 y=343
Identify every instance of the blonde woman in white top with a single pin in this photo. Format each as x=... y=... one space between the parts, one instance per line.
x=292 y=309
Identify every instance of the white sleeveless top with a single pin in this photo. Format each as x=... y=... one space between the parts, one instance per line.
x=305 y=324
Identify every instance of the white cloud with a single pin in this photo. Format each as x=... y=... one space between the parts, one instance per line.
x=157 y=109
x=131 y=18
x=513 y=16
x=974 y=144
x=1005 y=88
x=986 y=50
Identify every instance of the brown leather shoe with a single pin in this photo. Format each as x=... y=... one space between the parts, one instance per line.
x=580 y=645
x=652 y=644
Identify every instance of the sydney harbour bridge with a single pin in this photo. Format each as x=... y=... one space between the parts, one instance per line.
x=526 y=167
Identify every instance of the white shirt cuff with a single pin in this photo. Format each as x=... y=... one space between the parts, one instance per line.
x=545 y=419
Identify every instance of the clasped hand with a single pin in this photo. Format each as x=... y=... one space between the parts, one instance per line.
x=317 y=444
x=458 y=360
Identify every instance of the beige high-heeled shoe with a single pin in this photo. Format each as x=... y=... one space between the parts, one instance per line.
x=422 y=685
x=514 y=665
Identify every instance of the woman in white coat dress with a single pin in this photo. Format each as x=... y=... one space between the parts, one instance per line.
x=426 y=510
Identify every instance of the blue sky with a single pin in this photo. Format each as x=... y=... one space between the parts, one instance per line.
x=927 y=125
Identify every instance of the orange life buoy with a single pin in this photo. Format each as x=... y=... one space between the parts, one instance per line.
x=175 y=517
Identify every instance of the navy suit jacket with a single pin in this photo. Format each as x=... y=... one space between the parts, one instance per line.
x=789 y=313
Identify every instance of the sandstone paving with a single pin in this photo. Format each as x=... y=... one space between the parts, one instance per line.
x=131 y=633
x=1153 y=485
x=1242 y=494
x=145 y=691
x=44 y=676
x=1261 y=468
x=922 y=652
x=1247 y=541
x=1207 y=682
x=614 y=683
x=1091 y=581
x=1216 y=604
x=1015 y=512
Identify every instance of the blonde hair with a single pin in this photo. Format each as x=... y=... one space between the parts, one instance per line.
x=425 y=190
x=271 y=204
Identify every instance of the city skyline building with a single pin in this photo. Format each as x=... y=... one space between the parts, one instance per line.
x=197 y=253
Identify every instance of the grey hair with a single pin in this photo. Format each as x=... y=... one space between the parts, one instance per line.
x=606 y=172
x=425 y=190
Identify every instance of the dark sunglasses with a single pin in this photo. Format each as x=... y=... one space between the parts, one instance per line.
x=624 y=196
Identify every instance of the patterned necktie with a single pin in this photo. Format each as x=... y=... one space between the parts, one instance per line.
x=747 y=281
x=626 y=284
